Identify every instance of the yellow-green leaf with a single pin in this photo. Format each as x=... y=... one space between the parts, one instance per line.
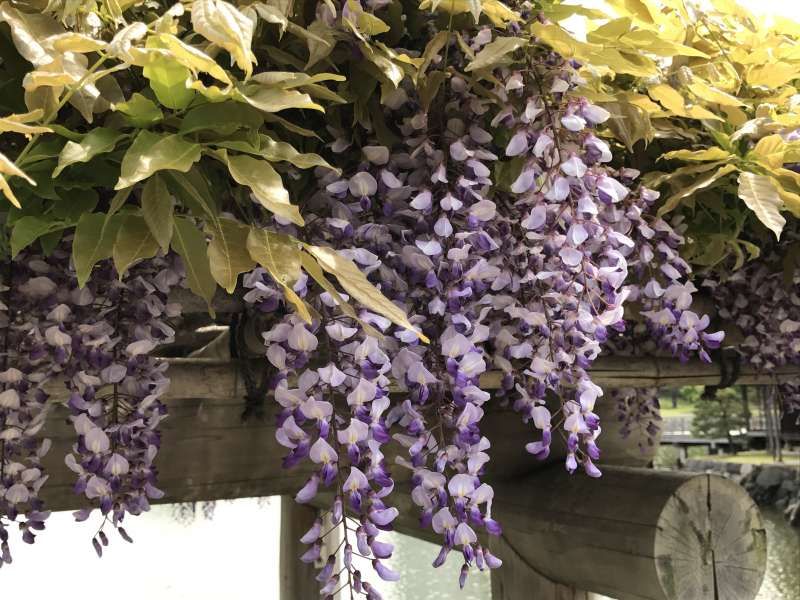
x=98 y=141
x=19 y=123
x=358 y=286
x=227 y=253
x=190 y=243
x=773 y=75
x=142 y=112
x=223 y=24
x=265 y=183
x=275 y=99
x=171 y=82
x=280 y=256
x=157 y=210
x=133 y=243
x=9 y=169
x=709 y=154
x=192 y=58
x=151 y=152
x=761 y=196
x=769 y=150
x=673 y=201
x=711 y=94
x=496 y=52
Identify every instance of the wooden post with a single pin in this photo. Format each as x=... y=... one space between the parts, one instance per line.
x=518 y=580
x=296 y=578
x=637 y=533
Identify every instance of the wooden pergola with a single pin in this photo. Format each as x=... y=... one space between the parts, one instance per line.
x=635 y=533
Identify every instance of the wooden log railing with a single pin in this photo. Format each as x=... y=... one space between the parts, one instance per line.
x=633 y=534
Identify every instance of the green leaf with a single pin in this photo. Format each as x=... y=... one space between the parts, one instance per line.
x=709 y=180
x=266 y=184
x=275 y=151
x=134 y=242
x=358 y=286
x=157 y=209
x=140 y=111
x=190 y=243
x=279 y=254
x=30 y=228
x=312 y=267
x=228 y=255
x=223 y=118
x=151 y=152
x=761 y=196
x=275 y=99
x=170 y=81
x=193 y=191
x=97 y=141
x=496 y=52
x=93 y=242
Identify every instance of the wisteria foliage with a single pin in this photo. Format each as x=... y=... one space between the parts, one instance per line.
x=487 y=239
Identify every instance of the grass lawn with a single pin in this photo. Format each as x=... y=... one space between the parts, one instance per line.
x=684 y=409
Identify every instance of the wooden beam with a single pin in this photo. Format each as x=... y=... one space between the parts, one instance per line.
x=207 y=451
x=637 y=534
x=519 y=580
x=632 y=534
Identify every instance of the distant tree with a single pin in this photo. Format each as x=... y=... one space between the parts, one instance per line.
x=717 y=416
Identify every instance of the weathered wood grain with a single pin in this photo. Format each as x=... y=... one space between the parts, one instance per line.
x=638 y=534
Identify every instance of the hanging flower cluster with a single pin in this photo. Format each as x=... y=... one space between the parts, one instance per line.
x=32 y=353
x=115 y=386
x=762 y=301
x=97 y=340
x=500 y=228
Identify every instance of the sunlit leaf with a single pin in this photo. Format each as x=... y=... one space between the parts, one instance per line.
x=266 y=184
x=711 y=94
x=72 y=41
x=709 y=154
x=769 y=150
x=18 y=123
x=358 y=286
x=761 y=196
x=9 y=169
x=171 y=82
x=496 y=52
x=223 y=24
x=98 y=141
x=192 y=58
x=274 y=99
x=280 y=256
x=151 y=152
x=773 y=75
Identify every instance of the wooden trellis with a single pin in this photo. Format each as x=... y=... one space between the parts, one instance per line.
x=634 y=533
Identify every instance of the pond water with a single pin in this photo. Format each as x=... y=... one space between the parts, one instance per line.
x=234 y=555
